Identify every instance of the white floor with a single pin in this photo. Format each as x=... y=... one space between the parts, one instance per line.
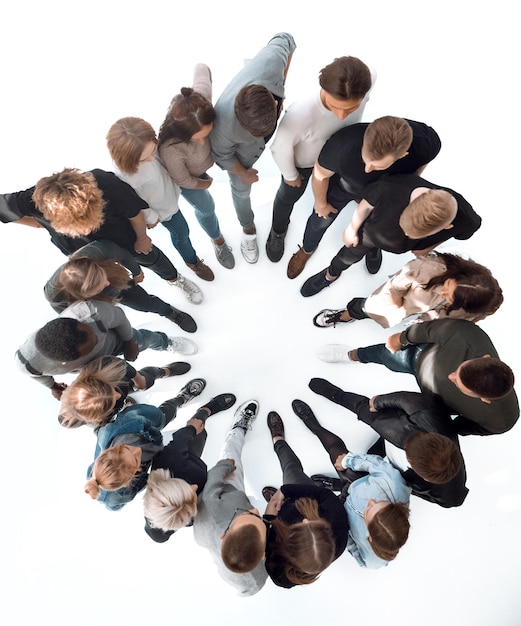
x=68 y=72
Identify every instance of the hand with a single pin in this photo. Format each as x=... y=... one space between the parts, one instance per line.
x=350 y=237
x=274 y=505
x=338 y=463
x=139 y=278
x=143 y=245
x=294 y=183
x=371 y=404
x=232 y=461
x=325 y=210
x=204 y=183
x=130 y=350
x=153 y=225
x=196 y=423
x=393 y=343
x=57 y=389
x=248 y=177
x=139 y=381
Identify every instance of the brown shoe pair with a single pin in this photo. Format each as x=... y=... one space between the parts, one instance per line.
x=298 y=262
x=201 y=269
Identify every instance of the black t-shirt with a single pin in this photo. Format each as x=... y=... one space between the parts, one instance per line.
x=342 y=154
x=121 y=204
x=390 y=196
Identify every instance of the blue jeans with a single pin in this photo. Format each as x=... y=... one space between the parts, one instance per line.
x=180 y=236
x=153 y=339
x=241 y=202
x=204 y=206
x=286 y=198
x=403 y=361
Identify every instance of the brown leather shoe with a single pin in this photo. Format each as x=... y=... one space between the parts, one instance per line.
x=201 y=269
x=298 y=262
x=275 y=424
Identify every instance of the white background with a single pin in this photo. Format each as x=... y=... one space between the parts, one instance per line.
x=68 y=71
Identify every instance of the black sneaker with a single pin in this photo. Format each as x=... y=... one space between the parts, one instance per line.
x=183 y=320
x=220 y=403
x=327 y=482
x=192 y=389
x=275 y=246
x=373 y=260
x=315 y=284
x=178 y=368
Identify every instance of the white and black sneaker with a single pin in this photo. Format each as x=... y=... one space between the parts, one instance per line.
x=329 y=317
x=246 y=414
x=192 y=389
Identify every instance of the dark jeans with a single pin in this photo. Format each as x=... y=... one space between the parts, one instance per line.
x=355 y=308
x=158 y=262
x=403 y=361
x=286 y=198
x=292 y=470
x=135 y=297
x=346 y=257
x=316 y=226
x=169 y=409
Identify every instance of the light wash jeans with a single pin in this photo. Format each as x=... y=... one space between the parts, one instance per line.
x=204 y=206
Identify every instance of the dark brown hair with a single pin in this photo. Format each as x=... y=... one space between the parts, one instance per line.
x=389 y=530
x=488 y=377
x=346 y=78
x=189 y=111
x=434 y=457
x=256 y=111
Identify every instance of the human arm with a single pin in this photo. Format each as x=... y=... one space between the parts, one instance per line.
x=248 y=176
x=361 y=213
x=143 y=243
x=275 y=503
x=320 y=185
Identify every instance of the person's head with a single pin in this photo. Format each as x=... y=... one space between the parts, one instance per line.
x=189 y=118
x=131 y=141
x=113 y=469
x=256 y=110
x=169 y=503
x=65 y=339
x=428 y=213
x=71 y=201
x=304 y=549
x=244 y=541
x=84 y=278
x=485 y=377
x=344 y=83
x=386 y=140
x=91 y=398
x=388 y=527
x=434 y=457
x=467 y=285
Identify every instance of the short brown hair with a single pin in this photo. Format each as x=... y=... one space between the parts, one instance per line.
x=429 y=213
x=434 y=457
x=71 y=200
x=126 y=140
x=242 y=549
x=256 y=111
x=488 y=377
x=189 y=111
x=387 y=136
x=389 y=530
x=346 y=78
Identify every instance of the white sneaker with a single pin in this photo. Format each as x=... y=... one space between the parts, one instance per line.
x=249 y=248
x=182 y=345
x=245 y=415
x=334 y=353
x=190 y=290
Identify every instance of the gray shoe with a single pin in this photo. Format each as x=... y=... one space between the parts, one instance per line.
x=224 y=255
x=249 y=248
x=190 y=290
x=246 y=414
x=275 y=246
x=182 y=345
x=192 y=389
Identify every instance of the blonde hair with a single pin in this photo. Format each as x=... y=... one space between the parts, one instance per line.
x=81 y=278
x=126 y=140
x=428 y=214
x=169 y=503
x=110 y=472
x=89 y=400
x=71 y=200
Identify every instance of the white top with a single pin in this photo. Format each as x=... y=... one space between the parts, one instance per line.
x=305 y=128
x=153 y=183
x=396 y=457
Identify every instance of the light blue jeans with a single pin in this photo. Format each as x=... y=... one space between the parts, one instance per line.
x=177 y=226
x=204 y=206
x=241 y=201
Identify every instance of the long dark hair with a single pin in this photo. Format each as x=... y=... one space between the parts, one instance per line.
x=477 y=291
x=189 y=111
